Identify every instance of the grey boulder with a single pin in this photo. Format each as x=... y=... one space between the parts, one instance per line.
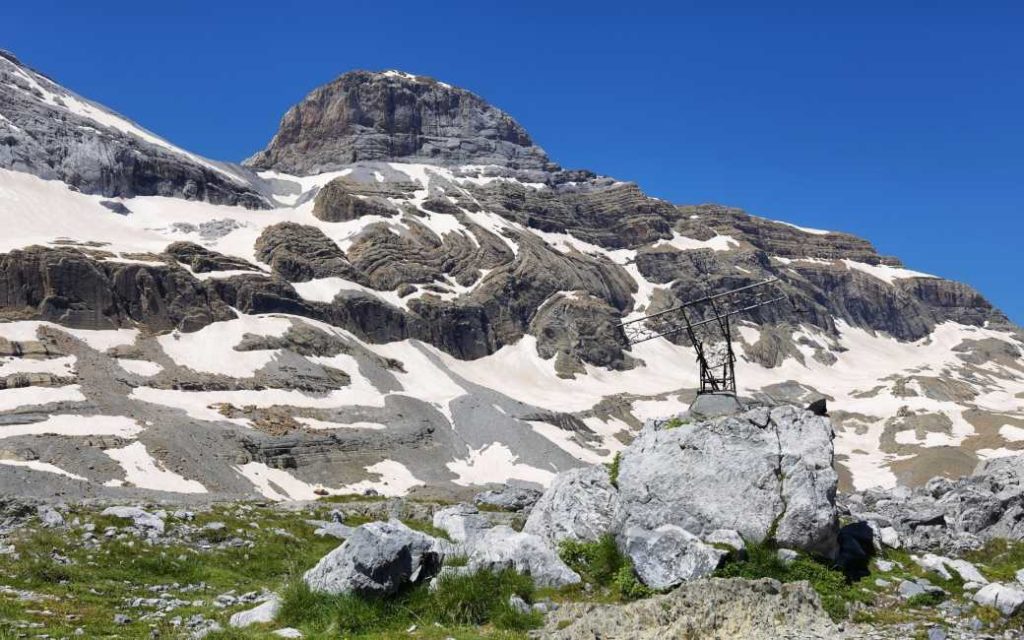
x=461 y=522
x=139 y=517
x=50 y=517
x=504 y=548
x=377 y=559
x=757 y=472
x=580 y=504
x=1006 y=598
x=265 y=612
x=669 y=556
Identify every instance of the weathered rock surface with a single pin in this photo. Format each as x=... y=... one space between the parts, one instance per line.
x=377 y=559
x=710 y=608
x=1008 y=599
x=502 y=547
x=66 y=286
x=509 y=498
x=580 y=504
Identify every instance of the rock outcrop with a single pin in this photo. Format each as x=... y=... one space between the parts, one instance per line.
x=711 y=608
x=390 y=116
x=949 y=515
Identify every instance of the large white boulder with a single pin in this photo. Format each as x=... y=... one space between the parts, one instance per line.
x=580 y=504
x=139 y=517
x=377 y=559
x=760 y=473
x=502 y=547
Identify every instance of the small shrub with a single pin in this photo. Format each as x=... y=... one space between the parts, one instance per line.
x=927 y=599
x=602 y=564
x=674 y=423
x=628 y=585
x=613 y=469
x=597 y=562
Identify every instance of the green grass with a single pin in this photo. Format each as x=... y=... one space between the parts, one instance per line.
x=613 y=469
x=89 y=591
x=998 y=559
x=601 y=564
x=927 y=599
x=476 y=600
x=762 y=561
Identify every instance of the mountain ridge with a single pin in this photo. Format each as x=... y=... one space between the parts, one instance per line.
x=437 y=319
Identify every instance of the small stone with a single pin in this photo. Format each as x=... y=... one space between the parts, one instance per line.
x=120 y=618
x=518 y=604
x=889 y=537
x=882 y=583
x=884 y=565
x=787 y=556
x=263 y=613
x=910 y=589
x=936 y=633
x=288 y=632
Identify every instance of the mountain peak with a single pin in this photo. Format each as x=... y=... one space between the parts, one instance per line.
x=392 y=115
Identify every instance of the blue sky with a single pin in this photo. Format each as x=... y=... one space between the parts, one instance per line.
x=898 y=122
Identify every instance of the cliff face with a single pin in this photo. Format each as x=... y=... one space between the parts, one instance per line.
x=394 y=116
x=439 y=308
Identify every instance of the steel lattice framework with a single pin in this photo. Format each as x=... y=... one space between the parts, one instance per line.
x=707 y=323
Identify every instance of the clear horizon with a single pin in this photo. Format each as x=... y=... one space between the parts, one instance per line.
x=895 y=124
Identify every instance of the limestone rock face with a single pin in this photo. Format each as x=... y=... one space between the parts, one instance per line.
x=393 y=115
x=52 y=133
x=580 y=504
x=377 y=559
x=299 y=253
x=69 y=287
x=761 y=473
x=711 y=608
x=342 y=199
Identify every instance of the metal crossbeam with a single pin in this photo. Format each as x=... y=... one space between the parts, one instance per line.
x=707 y=323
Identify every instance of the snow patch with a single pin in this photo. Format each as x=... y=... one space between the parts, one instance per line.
x=145 y=472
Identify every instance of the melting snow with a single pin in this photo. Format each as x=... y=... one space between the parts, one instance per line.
x=145 y=472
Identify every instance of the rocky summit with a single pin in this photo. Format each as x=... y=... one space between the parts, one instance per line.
x=372 y=380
